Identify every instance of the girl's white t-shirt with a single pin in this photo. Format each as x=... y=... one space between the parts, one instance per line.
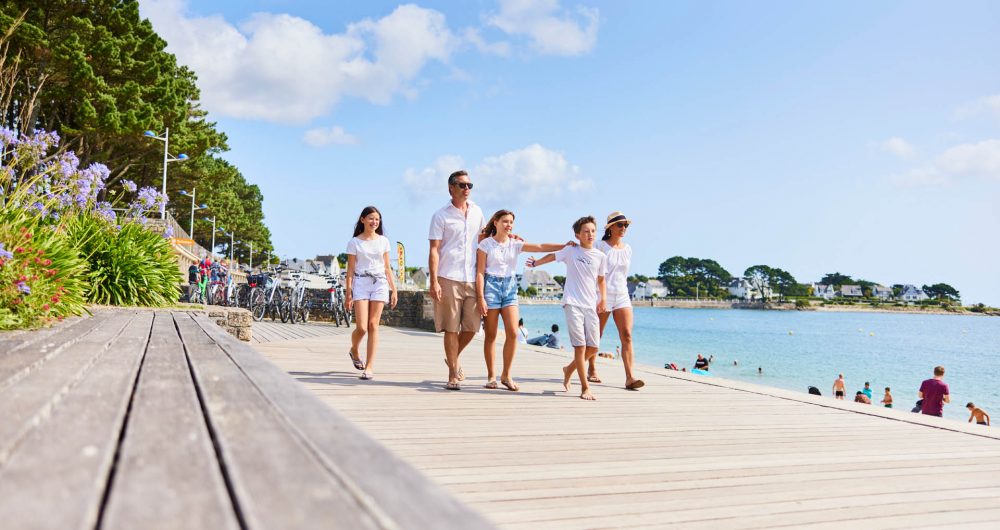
x=369 y=255
x=619 y=262
x=501 y=258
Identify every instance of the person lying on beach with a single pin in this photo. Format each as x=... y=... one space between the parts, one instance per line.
x=887 y=399
x=549 y=340
x=839 y=387
x=860 y=397
x=980 y=415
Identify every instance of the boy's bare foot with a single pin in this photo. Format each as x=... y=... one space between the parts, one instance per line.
x=567 y=376
x=587 y=396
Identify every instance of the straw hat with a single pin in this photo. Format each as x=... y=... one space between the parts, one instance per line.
x=616 y=217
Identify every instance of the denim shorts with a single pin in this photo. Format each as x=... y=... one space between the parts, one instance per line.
x=500 y=291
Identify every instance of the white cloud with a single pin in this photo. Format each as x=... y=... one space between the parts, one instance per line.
x=975 y=160
x=323 y=136
x=898 y=147
x=984 y=105
x=473 y=36
x=520 y=176
x=551 y=29
x=281 y=68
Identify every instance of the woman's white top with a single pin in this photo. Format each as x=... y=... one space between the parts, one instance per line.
x=369 y=255
x=501 y=258
x=619 y=262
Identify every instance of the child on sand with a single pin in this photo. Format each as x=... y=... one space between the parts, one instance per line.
x=887 y=399
x=584 y=296
x=980 y=415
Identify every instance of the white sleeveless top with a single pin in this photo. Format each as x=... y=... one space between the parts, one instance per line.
x=619 y=262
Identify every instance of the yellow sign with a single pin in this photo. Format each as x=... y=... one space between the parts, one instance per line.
x=182 y=241
x=401 y=256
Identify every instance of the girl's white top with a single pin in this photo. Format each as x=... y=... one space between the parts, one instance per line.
x=501 y=258
x=369 y=254
x=619 y=262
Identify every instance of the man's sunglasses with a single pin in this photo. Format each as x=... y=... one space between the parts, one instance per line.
x=464 y=185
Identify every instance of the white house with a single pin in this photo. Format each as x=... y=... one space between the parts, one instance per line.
x=912 y=293
x=882 y=292
x=542 y=282
x=647 y=289
x=826 y=292
x=851 y=291
x=742 y=288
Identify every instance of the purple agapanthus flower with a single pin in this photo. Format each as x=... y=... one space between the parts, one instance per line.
x=4 y=253
x=168 y=233
x=104 y=210
x=8 y=137
x=24 y=287
x=129 y=186
x=148 y=197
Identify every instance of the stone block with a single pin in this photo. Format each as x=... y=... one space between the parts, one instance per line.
x=239 y=317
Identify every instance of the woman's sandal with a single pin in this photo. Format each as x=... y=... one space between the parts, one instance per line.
x=367 y=376
x=452 y=386
x=593 y=379
x=492 y=385
x=511 y=385
x=357 y=361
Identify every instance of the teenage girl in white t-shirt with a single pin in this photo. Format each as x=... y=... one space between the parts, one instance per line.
x=619 y=305
x=369 y=284
x=496 y=285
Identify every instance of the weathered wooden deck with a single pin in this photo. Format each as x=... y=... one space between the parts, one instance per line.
x=143 y=420
x=697 y=452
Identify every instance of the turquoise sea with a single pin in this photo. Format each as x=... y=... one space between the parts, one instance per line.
x=798 y=349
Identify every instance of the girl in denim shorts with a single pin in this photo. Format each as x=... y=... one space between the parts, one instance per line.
x=496 y=286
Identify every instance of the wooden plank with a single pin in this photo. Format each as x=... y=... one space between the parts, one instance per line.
x=27 y=355
x=12 y=341
x=383 y=483
x=45 y=380
x=276 y=480
x=167 y=475
x=56 y=477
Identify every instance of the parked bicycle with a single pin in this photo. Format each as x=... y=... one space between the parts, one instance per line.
x=295 y=308
x=266 y=296
x=337 y=305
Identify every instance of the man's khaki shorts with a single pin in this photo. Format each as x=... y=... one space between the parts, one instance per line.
x=457 y=309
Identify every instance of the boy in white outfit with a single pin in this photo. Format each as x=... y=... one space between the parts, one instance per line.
x=584 y=297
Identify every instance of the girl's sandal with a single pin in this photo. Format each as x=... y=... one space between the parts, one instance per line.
x=492 y=385
x=452 y=386
x=511 y=385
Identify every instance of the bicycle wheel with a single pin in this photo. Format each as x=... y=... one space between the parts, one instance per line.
x=304 y=313
x=256 y=303
x=285 y=309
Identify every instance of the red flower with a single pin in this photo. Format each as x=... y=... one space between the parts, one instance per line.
x=47 y=262
x=22 y=279
x=51 y=272
x=15 y=301
x=45 y=307
x=27 y=235
x=18 y=250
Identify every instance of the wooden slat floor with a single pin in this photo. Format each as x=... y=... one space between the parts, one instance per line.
x=685 y=450
x=269 y=331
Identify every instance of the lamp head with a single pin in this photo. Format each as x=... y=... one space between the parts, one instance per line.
x=182 y=156
x=149 y=134
x=200 y=206
x=185 y=193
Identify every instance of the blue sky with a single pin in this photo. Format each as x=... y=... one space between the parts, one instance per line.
x=859 y=137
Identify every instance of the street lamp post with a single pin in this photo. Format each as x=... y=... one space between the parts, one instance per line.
x=212 y=250
x=194 y=191
x=251 y=256
x=166 y=159
x=231 y=243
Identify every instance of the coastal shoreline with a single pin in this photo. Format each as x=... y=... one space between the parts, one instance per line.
x=785 y=306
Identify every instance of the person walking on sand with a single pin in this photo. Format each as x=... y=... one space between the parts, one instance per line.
x=496 y=287
x=887 y=399
x=934 y=393
x=584 y=296
x=619 y=304
x=522 y=333
x=454 y=237
x=839 y=387
x=369 y=285
x=978 y=414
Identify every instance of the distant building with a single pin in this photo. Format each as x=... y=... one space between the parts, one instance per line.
x=742 y=288
x=882 y=292
x=420 y=278
x=542 y=282
x=826 y=292
x=912 y=293
x=330 y=262
x=851 y=291
x=646 y=290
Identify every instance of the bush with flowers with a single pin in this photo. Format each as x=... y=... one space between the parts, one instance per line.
x=49 y=266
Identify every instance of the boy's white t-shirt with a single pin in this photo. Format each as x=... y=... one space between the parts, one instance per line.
x=619 y=262
x=369 y=255
x=583 y=266
x=501 y=258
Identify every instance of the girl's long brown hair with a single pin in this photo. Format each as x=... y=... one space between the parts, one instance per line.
x=359 y=227
x=491 y=228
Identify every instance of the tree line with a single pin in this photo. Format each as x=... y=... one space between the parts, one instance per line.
x=98 y=74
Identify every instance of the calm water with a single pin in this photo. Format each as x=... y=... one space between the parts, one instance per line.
x=885 y=349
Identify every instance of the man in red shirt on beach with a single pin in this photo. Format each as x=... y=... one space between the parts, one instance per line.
x=934 y=392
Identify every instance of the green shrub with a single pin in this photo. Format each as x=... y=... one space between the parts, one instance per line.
x=802 y=304
x=41 y=274
x=129 y=266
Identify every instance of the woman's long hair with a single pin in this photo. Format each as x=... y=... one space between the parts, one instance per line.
x=359 y=227
x=491 y=228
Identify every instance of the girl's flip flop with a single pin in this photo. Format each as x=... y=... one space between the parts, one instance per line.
x=357 y=362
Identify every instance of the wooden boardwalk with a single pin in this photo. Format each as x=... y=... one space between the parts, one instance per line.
x=685 y=450
x=149 y=420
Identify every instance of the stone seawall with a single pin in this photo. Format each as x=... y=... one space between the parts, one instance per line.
x=415 y=309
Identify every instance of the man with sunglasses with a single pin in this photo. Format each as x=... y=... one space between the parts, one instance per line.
x=454 y=238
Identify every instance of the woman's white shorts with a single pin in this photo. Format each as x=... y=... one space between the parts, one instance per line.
x=617 y=301
x=375 y=289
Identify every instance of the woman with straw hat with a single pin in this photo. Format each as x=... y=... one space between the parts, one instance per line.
x=619 y=305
